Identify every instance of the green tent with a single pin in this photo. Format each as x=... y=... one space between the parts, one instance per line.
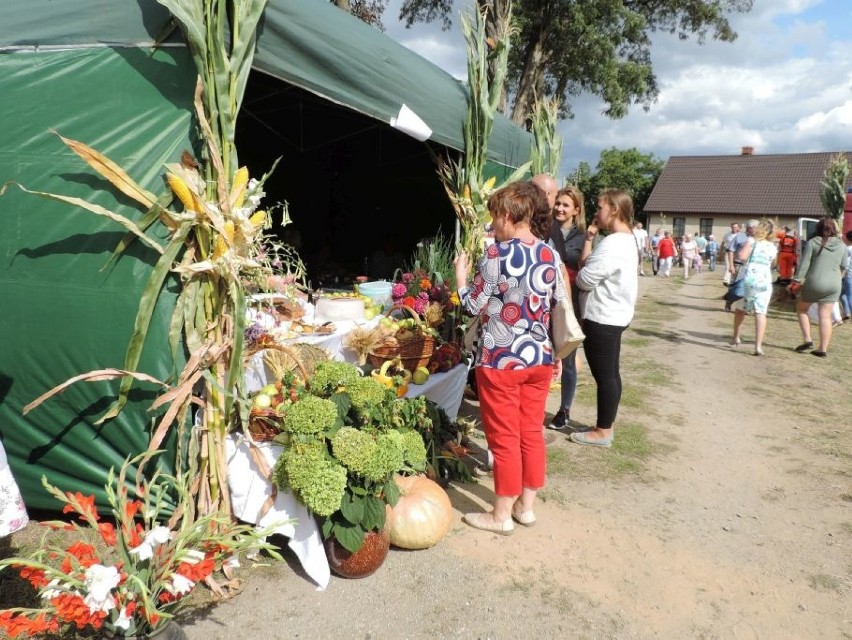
x=87 y=69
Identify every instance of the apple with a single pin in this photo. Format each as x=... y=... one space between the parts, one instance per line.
x=421 y=375
x=269 y=390
x=262 y=401
x=369 y=313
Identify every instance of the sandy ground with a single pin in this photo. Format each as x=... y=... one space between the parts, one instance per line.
x=738 y=525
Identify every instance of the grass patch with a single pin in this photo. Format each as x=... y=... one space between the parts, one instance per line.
x=558 y=460
x=637 y=341
x=825 y=582
x=553 y=495
x=631 y=440
x=632 y=396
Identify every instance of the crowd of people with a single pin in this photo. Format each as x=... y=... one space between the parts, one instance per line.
x=540 y=230
x=666 y=251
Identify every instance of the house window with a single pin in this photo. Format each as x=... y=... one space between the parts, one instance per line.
x=705 y=226
x=678 y=227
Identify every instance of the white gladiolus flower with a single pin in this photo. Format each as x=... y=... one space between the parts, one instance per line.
x=49 y=592
x=143 y=552
x=158 y=535
x=193 y=556
x=181 y=584
x=123 y=621
x=100 y=581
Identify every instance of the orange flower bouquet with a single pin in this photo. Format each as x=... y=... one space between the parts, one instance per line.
x=125 y=577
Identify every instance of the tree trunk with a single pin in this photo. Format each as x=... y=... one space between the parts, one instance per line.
x=528 y=82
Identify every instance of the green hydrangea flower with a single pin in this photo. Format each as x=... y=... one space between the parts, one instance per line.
x=328 y=376
x=366 y=394
x=354 y=449
x=413 y=449
x=387 y=458
x=317 y=481
x=310 y=415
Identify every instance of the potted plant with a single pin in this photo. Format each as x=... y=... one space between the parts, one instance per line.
x=346 y=436
x=125 y=577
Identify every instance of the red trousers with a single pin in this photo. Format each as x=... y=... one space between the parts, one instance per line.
x=511 y=403
x=786 y=265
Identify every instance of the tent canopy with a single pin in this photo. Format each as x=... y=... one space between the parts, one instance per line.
x=86 y=68
x=310 y=44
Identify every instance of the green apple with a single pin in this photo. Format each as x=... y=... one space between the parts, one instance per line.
x=269 y=390
x=262 y=401
x=369 y=313
x=386 y=322
x=420 y=376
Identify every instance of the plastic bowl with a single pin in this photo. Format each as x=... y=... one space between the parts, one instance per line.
x=379 y=291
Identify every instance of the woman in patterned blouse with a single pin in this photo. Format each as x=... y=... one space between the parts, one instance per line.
x=512 y=292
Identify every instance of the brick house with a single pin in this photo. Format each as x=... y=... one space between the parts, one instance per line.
x=708 y=193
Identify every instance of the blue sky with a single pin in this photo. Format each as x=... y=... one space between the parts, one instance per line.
x=784 y=86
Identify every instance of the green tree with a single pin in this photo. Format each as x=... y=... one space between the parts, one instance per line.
x=567 y=47
x=627 y=169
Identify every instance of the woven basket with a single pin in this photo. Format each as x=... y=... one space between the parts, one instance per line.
x=413 y=353
x=265 y=424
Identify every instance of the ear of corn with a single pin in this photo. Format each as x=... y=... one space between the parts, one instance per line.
x=257 y=219
x=182 y=192
x=489 y=184
x=229 y=232
x=466 y=191
x=220 y=247
x=238 y=189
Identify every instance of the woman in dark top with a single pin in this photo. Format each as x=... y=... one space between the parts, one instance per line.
x=567 y=235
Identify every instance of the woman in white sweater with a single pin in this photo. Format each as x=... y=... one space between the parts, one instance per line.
x=609 y=284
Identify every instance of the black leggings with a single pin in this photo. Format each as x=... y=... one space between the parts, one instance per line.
x=603 y=350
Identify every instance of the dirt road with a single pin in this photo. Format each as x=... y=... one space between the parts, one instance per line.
x=728 y=514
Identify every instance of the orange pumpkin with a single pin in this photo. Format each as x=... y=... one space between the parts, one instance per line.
x=422 y=516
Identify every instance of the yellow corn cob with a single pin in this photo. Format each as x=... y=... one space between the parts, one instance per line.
x=257 y=218
x=229 y=232
x=219 y=247
x=238 y=189
x=187 y=198
x=466 y=192
x=489 y=184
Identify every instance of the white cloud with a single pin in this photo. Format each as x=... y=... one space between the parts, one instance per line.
x=785 y=85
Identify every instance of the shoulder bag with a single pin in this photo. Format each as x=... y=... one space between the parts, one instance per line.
x=565 y=331
x=737 y=289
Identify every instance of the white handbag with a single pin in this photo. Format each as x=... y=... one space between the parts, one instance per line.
x=565 y=331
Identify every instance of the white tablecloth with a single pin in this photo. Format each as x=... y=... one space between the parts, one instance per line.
x=249 y=491
x=444 y=389
x=13 y=514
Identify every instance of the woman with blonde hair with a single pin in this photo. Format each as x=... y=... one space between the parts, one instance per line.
x=609 y=280
x=567 y=235
x=757 y=256
x=688 y=249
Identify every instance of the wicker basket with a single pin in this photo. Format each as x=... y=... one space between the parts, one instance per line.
x=265 y=424
x=413 y=353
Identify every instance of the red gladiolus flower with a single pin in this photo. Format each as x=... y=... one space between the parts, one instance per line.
x=35 y=576
x=132 y=508
x=409 y=301
x=86 y=506
x=72 y=608
x=85 y=554
x=107 y=531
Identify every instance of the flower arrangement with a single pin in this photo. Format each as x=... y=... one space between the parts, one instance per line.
x=346 y=437
x=128 y=576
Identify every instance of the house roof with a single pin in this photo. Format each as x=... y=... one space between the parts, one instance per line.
x=754 y=185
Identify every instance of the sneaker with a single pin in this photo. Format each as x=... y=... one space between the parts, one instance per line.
x=560 y=421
